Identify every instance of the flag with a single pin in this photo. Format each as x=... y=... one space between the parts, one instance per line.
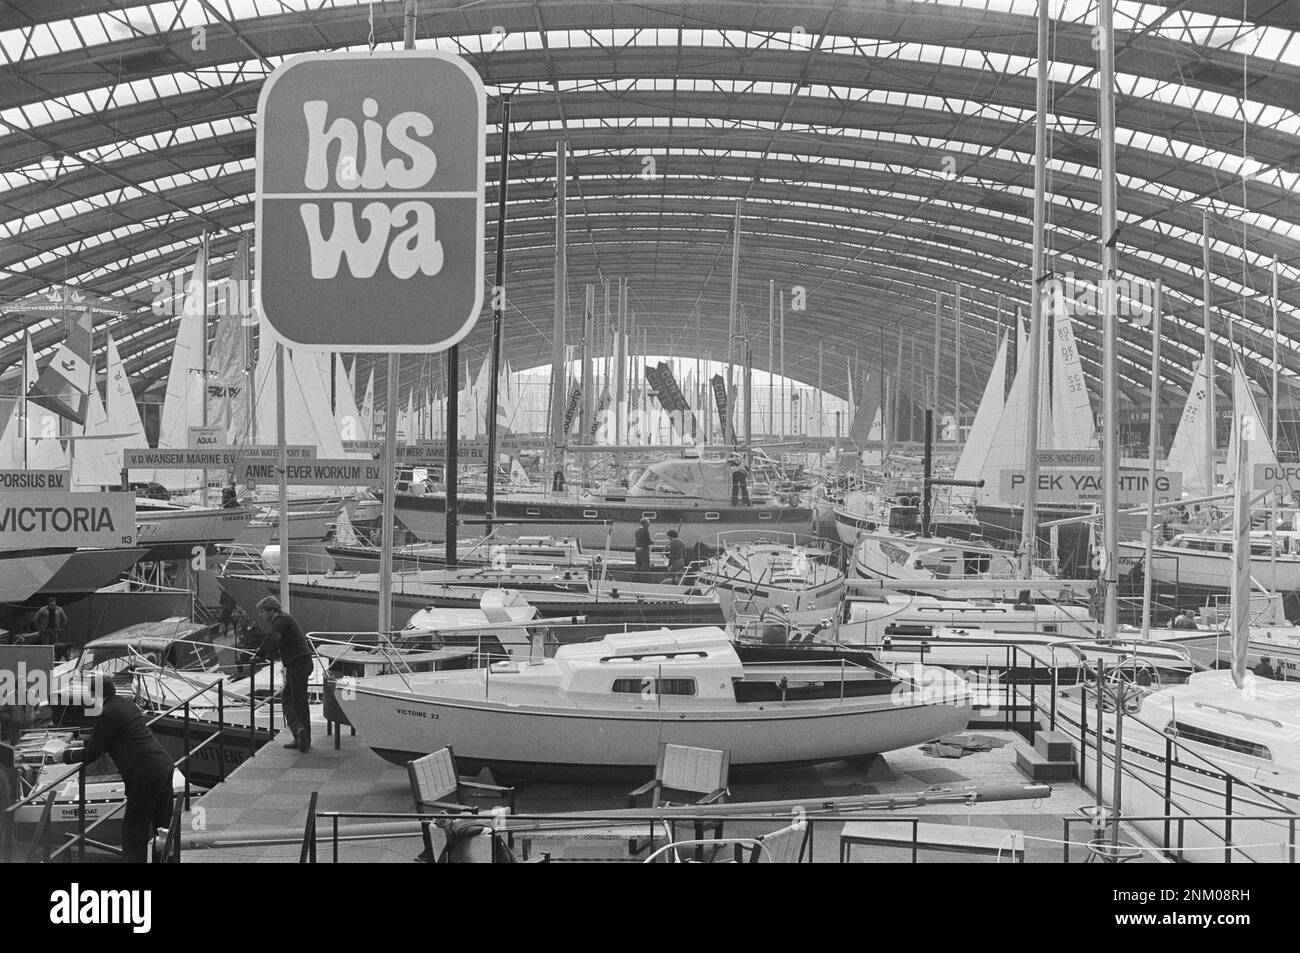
x=64 y=385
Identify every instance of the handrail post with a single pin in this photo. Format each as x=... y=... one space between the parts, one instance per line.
x=81 y=813
x=1227 y=823
x=252 y=708
x=221 y=728
x=185 y=759
x=1169 y=783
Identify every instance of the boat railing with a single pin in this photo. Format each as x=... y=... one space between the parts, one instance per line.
x=215 y=738
x=1204 y=780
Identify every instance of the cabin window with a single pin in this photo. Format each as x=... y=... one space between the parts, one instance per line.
x=532 y=511
x=1206 y=737
x=655 y=686
x=649 y=515
x=711 y=516
x=590 y=514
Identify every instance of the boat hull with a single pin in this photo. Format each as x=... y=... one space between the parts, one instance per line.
x=173 y=534
x=535 y=742
x=426 y=517
x=320 y=606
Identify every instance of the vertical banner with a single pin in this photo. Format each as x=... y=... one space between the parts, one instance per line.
x=571 y=410
x=720 y=399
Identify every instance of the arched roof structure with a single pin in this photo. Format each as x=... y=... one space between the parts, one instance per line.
x=881 y=150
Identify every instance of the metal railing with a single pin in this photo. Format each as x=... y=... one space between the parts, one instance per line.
x=189 y=724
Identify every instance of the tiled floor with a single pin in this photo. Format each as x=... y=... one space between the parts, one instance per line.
x=268 y=797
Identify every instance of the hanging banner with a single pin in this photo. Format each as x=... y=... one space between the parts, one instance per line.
x=344 y=472
x=670 y=396
x=188 y=458
x=601 y=408
x=720 y=399
x=58 y=520
x=1083 y=486
x=571 y=411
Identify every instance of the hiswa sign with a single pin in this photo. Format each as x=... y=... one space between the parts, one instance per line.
x=370 y=191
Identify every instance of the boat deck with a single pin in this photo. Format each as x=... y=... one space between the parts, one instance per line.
x=267 y=797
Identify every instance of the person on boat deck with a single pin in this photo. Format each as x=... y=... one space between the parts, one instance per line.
x=229 y=496
x=739 y=483
x=145 y=766
x=50 y=623
x=557 y=478
x=643 y=546
x=1265 y=668
x=284 y=638
x=676 y=553
x=1184 y=621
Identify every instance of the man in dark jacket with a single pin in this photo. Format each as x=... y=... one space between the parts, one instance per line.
x=643 y=546
x=145 y=766
x=676 y=553
x=284 y=639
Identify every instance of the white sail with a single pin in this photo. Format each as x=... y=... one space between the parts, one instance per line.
x=1072 y=420
x=183 y=400
x=1006 y=446
x=346 y=413
x=1253 y=433
x=975 y=450
x=98 y=462
x=44 y=450
x=1188 y=450
x=123 y=412
x=307 y=417
x=368 y=409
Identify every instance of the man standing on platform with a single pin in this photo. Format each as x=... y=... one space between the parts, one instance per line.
x=643 y=546
x=284 y=638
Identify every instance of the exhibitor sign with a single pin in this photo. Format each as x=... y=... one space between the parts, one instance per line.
x=34 y=480
x=1277 y=477
x=312 y=472
x=189 y=458
x=425 y=451
x=370 y=191
x=1084 y=486
x=32 y=519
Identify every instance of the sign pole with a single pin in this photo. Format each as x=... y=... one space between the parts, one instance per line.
x=282 y=468
x=499 y=294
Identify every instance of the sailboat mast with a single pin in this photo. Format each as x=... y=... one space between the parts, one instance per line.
x=559 y=394
x=1153 y=441
x=202 y=278
x=731 y=328
x=1029 y=516
x=1273 y=306
x=956 y=361
x=1206 y=292
x=771 y=325
x=1110 y=349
